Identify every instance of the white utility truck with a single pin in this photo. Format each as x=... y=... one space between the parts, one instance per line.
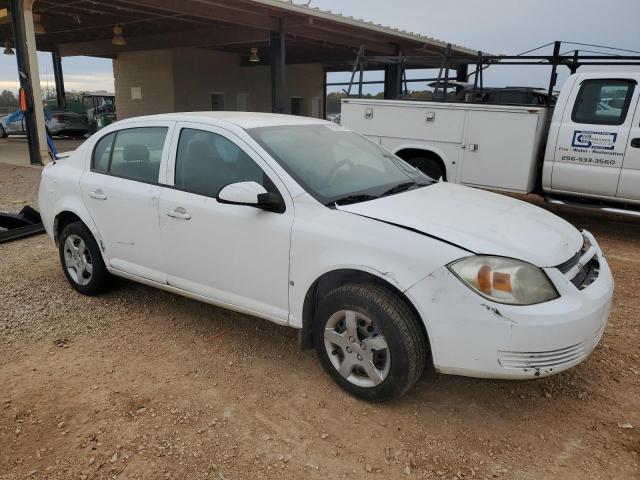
x=584 y=151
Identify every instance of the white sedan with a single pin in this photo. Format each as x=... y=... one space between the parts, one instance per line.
x=304 y=223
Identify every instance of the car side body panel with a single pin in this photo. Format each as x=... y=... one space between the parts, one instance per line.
x=324 y=240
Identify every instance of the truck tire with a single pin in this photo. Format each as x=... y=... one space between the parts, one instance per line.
x=81 y=260
x=369 y=341
x=429 y=166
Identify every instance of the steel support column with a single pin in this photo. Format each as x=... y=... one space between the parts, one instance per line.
x=59 y=78
x=24 y=39
x=393 y=79
x=462 y=73
x=279 y=101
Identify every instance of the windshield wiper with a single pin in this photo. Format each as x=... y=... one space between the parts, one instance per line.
x=351 y=199
x=401 y=187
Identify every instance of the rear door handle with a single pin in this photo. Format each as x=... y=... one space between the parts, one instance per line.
x=635 y=142
x=180 y=213
x=98 y=195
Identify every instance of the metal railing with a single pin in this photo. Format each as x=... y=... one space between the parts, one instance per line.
x=573 y=59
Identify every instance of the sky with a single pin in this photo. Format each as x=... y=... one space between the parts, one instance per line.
x=495 y=26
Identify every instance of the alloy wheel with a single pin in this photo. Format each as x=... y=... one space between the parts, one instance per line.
x=77 y=260
x=356 y=348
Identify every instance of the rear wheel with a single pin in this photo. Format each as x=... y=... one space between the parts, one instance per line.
x=429 y=166
x=3 y=132
x=369 y=341
x=81 y=260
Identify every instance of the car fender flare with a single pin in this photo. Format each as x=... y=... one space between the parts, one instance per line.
x=348 y=273
x=76 y=207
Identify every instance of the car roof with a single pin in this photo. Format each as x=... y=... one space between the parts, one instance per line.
x=243 y=120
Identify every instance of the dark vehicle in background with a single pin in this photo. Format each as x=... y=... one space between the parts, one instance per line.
x=101 y=110
x=59 y=123
x=464 y=92
x=507 y=96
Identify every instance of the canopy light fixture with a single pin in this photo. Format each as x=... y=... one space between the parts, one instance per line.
x=118 y=39
x=7 y=49
x=37 y=26
x=253 y=57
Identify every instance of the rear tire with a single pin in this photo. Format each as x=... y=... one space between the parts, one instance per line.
x=3 y=132
x=382 y=355
x=81 y=260
x=429 y=166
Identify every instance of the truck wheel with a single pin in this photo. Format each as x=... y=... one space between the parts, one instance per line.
x=429 y=166
x=369 y=341
x=3 y=132
x=81 y=260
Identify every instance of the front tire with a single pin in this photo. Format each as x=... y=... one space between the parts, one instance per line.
x=369 y=341
x=81 y=260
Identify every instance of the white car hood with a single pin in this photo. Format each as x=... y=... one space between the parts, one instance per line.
x=479 y=221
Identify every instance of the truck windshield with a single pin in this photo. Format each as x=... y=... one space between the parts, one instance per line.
x=336 y=165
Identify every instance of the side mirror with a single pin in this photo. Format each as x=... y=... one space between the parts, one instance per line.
x=251 y=194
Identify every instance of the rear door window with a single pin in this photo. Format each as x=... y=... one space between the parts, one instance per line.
x=133 y=153
x=604 y=101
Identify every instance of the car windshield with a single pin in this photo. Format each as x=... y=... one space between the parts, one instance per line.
x=336 y=165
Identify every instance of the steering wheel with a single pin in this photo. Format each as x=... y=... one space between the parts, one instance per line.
x=331 y=176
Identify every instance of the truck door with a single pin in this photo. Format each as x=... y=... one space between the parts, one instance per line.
x=593 y=137
x=629 y=185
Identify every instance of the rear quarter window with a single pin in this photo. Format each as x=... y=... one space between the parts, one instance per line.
x=102 y=153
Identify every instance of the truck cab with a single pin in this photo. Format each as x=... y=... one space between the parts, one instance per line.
x=593 y=145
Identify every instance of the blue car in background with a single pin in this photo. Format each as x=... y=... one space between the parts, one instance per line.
x=59 y=122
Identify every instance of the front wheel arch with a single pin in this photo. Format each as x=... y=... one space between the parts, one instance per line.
x=337 y=278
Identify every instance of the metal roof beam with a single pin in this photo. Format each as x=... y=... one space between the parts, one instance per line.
x=341 y=39
x=205 y=37
x=210 y=10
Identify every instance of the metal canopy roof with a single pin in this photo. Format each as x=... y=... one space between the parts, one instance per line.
x=85 y=27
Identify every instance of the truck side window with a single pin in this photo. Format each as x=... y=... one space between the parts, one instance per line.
x=603 y=101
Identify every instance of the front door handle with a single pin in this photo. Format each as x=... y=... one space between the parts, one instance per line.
x=635 y=142
x=180 y=213
x=98 y=195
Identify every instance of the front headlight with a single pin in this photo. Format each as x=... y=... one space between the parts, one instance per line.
x=504 y=280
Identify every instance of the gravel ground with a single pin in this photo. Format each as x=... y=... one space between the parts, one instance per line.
x=139 y=383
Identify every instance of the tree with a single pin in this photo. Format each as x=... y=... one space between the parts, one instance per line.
x=8 y=99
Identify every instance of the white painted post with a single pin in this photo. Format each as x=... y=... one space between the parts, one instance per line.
x=35 y=81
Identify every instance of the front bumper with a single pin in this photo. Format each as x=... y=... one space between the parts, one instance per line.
x=472 y=336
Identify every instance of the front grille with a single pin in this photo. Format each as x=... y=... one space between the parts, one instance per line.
x=569 y=264
x=587 y=274
x=582 y=268
x=549 y=359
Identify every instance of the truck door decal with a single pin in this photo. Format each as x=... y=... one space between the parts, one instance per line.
x=591 y=147
x=594 y=140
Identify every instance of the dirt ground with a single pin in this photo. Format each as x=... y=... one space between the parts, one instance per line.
x=139 y=383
